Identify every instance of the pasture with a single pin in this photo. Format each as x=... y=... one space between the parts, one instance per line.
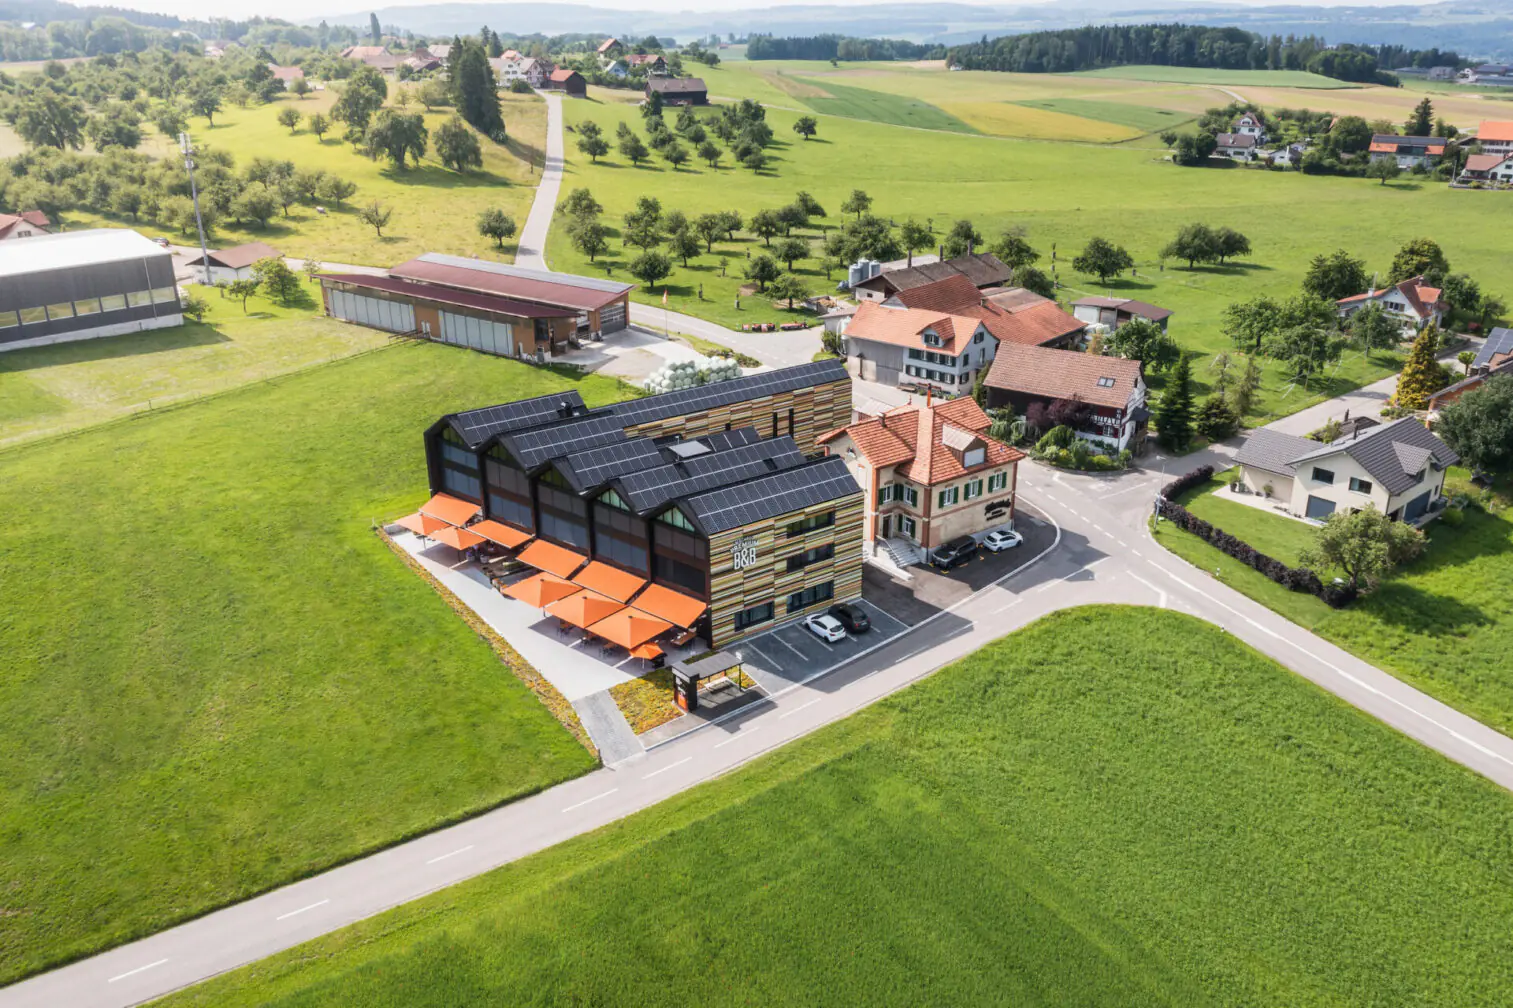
x=215 y=678
x=1112 y=806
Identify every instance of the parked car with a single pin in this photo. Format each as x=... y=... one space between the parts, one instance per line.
x=852 y=617
x=954 y=553
x=161 y=241
x=1002 y=540
x=825 y=627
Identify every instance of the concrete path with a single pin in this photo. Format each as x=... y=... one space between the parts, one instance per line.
x=531 y=252
x=608 y=728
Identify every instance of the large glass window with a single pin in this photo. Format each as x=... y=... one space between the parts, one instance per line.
x=31 y=315
x=679 y=558
x=61 y=311
x=89 y=306
x=750 y=617
x=139 y=298
x=811 y=596
x=113 y=302
x=8 y=319
x=509 y=490
x=564 y=515
x=459 y=467
x=811 y=523
x=619 y=536
x=165 y=295
x=811 y=556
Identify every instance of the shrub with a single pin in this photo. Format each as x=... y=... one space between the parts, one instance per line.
x=1453 y=517
x=1060 y=436
x=1182 y=484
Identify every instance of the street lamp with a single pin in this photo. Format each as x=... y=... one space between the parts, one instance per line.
x=194 y=195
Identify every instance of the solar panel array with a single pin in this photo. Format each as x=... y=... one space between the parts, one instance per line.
x=735 y=390
x=651 y=488
x=477 y=426
x=533 y=447
x=588 y=469
x=725 y=440
x=779 y=493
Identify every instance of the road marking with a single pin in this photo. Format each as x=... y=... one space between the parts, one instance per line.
x=1074 y=514
x=668 y=767
x=790 y=647
x=738 y=735
x=1086 y=566
x=595 y=798
x=296 y=913
x=443 y=857
x=1152 y=587
x=1011 y=605
x=139 y=969
x=1264 y=630
x=1138 y=554
x=800 y=707
x=1099 y=528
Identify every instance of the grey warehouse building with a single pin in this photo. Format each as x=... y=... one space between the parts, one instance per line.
x=83 y=284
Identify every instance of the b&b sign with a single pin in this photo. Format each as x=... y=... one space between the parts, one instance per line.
x=743 y=553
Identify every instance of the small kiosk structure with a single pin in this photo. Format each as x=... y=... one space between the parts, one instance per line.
x=687 y=675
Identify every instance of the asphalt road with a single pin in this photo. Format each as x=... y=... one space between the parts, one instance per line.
x=1102 y=553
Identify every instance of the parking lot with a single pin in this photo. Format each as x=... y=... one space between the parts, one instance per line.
x=789 y=654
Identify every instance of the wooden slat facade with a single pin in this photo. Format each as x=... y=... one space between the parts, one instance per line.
x=815 y=409
x=733 y=591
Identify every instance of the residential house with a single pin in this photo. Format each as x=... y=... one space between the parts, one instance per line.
x=1110 y=392
x=1407 y=151
x=678 y=90
x=569 y=82
x=535 y=71
x=26 y=224
x=1249 y=124
x=1414 y=303
x=439 y=51
x=1441 y=73
x=652 y=63
x=1488 y=168
x=423 y=64
x=1495 y=136
x=917 y=347
x=1398 y=468
x=982 y=268
x=610 y=48
x=235 y=263
x=1238 y=146
x=929 y=474
x=1450 y=393
x=1114 y=312
x=1287 y=156
x=1012 y=315
x=287 y=74
x=617 y=69
x=378 y=57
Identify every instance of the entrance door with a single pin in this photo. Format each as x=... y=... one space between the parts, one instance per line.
x=887 y=526
x=1319 y=508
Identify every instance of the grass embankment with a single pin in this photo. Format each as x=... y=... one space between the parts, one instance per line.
x=1061 y=195
x=1443 y=623
x=214 y=678
x=1114 y=806
x=435 y=209
x=46 y=390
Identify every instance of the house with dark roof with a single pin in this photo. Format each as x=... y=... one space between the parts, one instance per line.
x=705 y=492
x=652 y=63
x=1407 y=151
x=1397 y=468
x=678 y=90
x=929 y=474
x=1237 y=146
x=982 y=268
x=1412 y=302
x=1101 y=398
x=234 y=263
x=1114 y=312
x=1250 y=124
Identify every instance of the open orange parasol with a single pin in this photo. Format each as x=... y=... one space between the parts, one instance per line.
x=540 y=590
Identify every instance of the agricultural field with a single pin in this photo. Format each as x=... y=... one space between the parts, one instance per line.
x=1205 y=75
x=215 y=678
x=1113 y=806
x=434 y=207
x=1444 y=623
x=51 y=389
x=1061 y=195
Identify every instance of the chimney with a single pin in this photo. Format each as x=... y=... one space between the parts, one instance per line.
x=940 y=252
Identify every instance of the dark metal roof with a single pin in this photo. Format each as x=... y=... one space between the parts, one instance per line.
x=586 y=470
x=677 y=85
x=703 y=397
x=449 y=295
x=779 y=493
x=1272 y=450
x=477 y=426
x=1499 y=341
x=1393 y=454
x=650 y=489
x=538 y=445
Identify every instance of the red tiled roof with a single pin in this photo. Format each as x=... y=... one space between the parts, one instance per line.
x=522 y=285
x=1496 y=129
x=1422 y=300
x=1064 y=374
x=558 y=76
x=905 y=327
x=949 y=295
x=1031 y=325
x=1485 y=162
x=607 y=43
x=1034 y=322
x=642 y=59
x=36 y=218
x=893 y=439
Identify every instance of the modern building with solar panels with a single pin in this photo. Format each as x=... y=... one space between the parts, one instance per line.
x=483 y=305
x=84 y=284
x=715 y=492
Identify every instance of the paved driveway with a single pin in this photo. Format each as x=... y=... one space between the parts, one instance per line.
x=790 y=654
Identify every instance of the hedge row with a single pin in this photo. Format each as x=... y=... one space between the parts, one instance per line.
x=1298 y=579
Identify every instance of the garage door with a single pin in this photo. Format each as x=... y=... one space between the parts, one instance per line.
x=479 y=334
x=380 y=314
x=1416 y=507
x=1320 y=508
x=612 y=317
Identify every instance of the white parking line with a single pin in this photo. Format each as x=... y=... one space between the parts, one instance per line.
x=668 y=767
x=443 y=857
x=738 y=735
x=296 y=913
x=790 y=647
x=800 y=707
x=139 y=969
x=593 y=799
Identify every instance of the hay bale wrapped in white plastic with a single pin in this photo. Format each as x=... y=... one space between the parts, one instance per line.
x=676 y=376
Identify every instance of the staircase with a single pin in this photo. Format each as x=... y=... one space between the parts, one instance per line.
x=902 y=552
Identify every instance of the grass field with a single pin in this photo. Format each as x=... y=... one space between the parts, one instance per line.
x=877 y=106
x=45 y=390
x=1138 y=118
x=1061 y=195
x=1200 y=75
x=1111 y=807
x=215 y=678
x=434 y=208
x=1443 y=623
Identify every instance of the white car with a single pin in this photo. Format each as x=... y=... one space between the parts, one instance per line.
x=1000 y=541
x=826 y=628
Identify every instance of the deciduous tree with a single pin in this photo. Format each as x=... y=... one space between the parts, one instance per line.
x=1103 y=259
x=857 y=203
x=1479 y=425
x=376 y=216
x=914 y=237
x=289 y=118
x=457 y=147
x=762 y=269
x=277 y=280
x=1015 y=251
x=589 y=237
x=1334 y=276
x=791 y=250
x=1373 y=329
x=1384 y=170
x=806 y=126
x=961 y=239
x=788 y=288
x=765 y=224
x=320 y=126
x=1145 y=341
x=242 y=290
x=496 y=224
x=397 y=136
x=1364 y=546
x=684 y=244
x=1417 y=257
x=650 y=266
x=1194 y=243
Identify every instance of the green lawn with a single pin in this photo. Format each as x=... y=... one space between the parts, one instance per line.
x=1061 y=194
x=1443 y=623
x=1140 y=117
x=50 y=389
x=1112 y=807
x=1201 y=75
x=434 y=208
x=1273 y=534
x=876 y=106
x=215 y=678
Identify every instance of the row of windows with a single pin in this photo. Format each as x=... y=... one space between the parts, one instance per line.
x=480 y=334
x=970 y=490
x=509 y=509
x=944 y=377
x=898 y=492
x=932 y=357
x=375 y=312
x=564 y=529
x=621 y=551
x=460 y=483
x=88 y=306
x=679 y=574
x=806 y=525
x=458 y=454
x=798 y=601
x=811 y=556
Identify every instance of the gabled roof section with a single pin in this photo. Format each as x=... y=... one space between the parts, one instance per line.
x=1064 y=374
x=677 y=85
x=947 y=295
x=1485 y=162
x=1235 y=140
x=477 y=426
x=1272 y=450
x=1499 y=341
x=594 y=467
x=651 y=489
x=537 y=445
x=764 y=497
x=1500 y=130
x=1032 y=324
x=560 y=289
x=1129 y=306
x=983 y=269
x=907 y=327
x=945 y=430
x=1393 y=454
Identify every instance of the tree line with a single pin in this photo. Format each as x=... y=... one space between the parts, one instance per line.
x=1096 y=46
x=838 y=47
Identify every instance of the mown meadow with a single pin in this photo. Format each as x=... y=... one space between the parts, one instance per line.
x=1112 y=806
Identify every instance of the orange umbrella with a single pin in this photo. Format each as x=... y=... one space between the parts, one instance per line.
x=629 y=627
x=450 y=510
x=457 y=538
x=540 y=590
x=649 y=650
x=422 y=525
x=551 y=558
x=584 y=608
x=497 y=532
